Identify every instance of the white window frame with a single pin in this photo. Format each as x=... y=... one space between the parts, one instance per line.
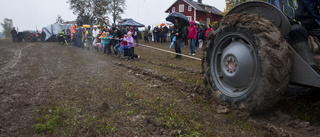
x=208 y=8
x=173 y=9
x=181 y=8
x=189 y=8
x=208 y=20
x=189 y=18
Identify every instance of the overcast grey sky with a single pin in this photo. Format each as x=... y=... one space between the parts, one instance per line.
x=29 y=14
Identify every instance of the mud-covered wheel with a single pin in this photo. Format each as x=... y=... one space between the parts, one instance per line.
x=247 y=62
x=28 y=38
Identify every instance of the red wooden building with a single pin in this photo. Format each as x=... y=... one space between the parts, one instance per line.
x=195 y=10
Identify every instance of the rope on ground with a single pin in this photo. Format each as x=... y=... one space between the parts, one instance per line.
x=165 y=51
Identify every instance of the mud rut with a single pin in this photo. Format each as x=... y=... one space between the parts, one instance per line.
x=30 y=72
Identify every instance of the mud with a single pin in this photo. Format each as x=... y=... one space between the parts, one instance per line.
x=272 y=52
x=41 y=75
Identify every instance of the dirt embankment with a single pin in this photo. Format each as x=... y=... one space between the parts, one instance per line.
x=56 y=90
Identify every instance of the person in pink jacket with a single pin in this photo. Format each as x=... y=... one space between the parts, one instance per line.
x=192 y=35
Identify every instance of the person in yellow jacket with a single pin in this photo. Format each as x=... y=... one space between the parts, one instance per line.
x=84 y=37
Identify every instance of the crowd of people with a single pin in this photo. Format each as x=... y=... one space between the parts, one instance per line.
x=195 y=33
x=119 y=41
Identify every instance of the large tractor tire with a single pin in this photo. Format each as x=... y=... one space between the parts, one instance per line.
x=247 y=62
x=28 y=38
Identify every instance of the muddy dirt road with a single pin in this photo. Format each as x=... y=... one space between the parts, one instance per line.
x=47 y=89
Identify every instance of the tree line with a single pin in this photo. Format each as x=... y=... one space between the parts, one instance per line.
x=97 y=11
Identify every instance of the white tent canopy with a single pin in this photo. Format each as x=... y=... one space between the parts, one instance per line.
x=54 y=29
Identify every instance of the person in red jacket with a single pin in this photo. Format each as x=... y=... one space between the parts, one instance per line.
x=208 y=31
x=192 y=35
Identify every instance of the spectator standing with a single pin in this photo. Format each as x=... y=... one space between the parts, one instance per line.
x=137 y=35
x=199 y=37
x=84 y=37
x=192 y=35
x=43 y=36
x=146 y=34
x=161 y=35
x=178 y=32
x=204 y=29
x=155 y=31
x=185 y=35
x=208 y=31
x=14 y=34
x=89 y=40
x=171 y=33
x=73 y=30
x=165 y=35
x=149 y=28
x=68 y=36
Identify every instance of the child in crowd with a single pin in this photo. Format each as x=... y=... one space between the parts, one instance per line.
x=98 y=41
x=102 y=41
x=124 y=47
x=130 y=44
x=106 y=41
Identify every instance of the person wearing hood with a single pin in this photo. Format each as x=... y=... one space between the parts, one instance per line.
x=95 y=32
x=192 y=35
x=130 y=43
x=106 y=38
x=73 y=30
x=208 y=31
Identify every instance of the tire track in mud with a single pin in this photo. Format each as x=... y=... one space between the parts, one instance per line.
x=147 y=74
x=276 y=122
x=13 y=62
x=176 y=68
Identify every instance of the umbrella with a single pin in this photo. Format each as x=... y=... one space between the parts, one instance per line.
x=131 y=22
x=163 y=23
x=182 y=18
x=173 y=40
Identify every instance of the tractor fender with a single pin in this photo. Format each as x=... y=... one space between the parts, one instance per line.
x=267 y=11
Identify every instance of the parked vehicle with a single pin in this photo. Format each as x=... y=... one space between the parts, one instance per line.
x=28 y=36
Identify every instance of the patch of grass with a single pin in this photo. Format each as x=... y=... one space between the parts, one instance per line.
x=49 y=119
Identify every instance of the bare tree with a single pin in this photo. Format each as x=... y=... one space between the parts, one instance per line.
x=91 y=11
x=7 y=27
x=116 y=9
x=59 y=20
